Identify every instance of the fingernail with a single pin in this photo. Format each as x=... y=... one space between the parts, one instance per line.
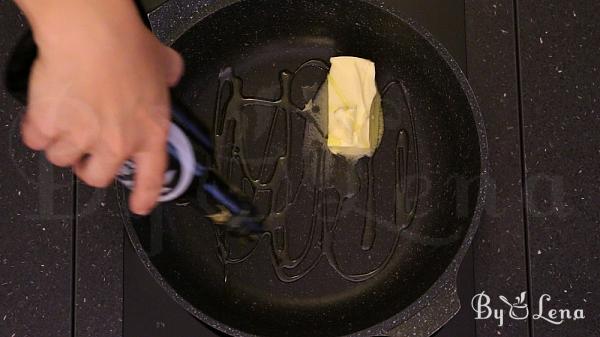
x=140 y=212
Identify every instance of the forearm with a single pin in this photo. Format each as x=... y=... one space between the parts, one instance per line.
x=50 y=20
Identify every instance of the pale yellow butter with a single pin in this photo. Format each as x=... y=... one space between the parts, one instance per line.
x=355 y=120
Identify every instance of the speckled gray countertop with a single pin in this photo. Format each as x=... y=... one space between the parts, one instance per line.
x=534 y=69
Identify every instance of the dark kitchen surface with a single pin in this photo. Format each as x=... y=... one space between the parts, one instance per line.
x=534 y=70
x=500 y=253
x=560 y=96
x=36 y=222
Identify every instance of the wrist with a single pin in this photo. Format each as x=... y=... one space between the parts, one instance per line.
x=59 y=20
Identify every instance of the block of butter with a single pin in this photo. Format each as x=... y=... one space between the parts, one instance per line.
x=354 y=114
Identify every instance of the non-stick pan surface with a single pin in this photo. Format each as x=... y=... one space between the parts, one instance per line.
x=351 y=249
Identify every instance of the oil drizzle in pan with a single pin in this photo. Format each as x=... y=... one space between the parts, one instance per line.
x=327 y=178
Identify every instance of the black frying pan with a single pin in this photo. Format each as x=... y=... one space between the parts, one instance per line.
x=366 y=250
x=386 y=265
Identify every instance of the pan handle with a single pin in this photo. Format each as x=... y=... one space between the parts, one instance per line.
x=147 y=6
x=439 y=311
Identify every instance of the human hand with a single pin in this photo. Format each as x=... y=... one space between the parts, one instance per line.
x=98 y=95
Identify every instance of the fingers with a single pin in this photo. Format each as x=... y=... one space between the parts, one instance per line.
x=58 y=128
x=150 y=168
x=64 y=153
x=33 y=136
x=100 y=167
x=96 y=111
x=173 y=66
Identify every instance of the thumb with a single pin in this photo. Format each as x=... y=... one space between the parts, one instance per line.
x=173 y=65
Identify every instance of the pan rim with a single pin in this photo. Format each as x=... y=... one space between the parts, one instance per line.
x=449 y=275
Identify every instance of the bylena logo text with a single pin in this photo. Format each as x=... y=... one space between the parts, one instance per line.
x=519 y=310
